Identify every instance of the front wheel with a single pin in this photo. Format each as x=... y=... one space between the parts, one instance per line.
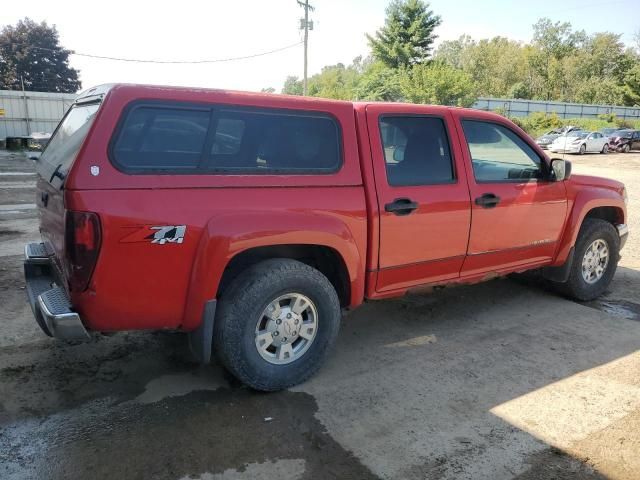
x=583 y=148
x=595 y=260
x=626 y=148
x=276 y=323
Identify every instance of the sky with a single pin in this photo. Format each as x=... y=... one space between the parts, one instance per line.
x=215 y=29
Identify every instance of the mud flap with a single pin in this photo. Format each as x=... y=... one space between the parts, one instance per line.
x=201 y=339
x=561 y=273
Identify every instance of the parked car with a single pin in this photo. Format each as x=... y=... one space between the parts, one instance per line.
x=625 y=140
x=608 y=131
x=580 y=142
x=255 y=219
x=547 y=139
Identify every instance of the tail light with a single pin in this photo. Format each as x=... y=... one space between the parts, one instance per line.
x=82 y=239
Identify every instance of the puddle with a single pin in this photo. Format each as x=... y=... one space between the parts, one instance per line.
x=618 y=308
x=280 y=469
x=17 y=207
x=181 y=384
x=207 y=434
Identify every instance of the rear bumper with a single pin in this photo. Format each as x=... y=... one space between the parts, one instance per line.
x=623 y=231
x=49 y=301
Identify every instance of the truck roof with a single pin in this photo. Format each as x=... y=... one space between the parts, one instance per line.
x=145 y=89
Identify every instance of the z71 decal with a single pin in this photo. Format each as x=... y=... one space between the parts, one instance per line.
x=158 y=235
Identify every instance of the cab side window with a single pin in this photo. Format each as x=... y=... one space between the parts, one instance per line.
x=500 y=155
x=416 y=151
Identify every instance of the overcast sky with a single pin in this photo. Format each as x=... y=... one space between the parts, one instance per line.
x=195 y=30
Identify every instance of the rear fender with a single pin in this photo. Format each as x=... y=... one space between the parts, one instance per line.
x=227 y=235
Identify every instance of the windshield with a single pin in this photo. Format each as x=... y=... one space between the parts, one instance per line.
x=624 y=133
x=577 y=134
x=66 y=141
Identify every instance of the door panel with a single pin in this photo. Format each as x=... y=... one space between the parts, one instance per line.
x=525 y=223
x=419 y=166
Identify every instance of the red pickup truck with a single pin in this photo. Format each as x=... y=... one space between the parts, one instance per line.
x=251 y=220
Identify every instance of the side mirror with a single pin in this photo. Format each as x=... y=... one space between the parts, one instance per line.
x=560 y=169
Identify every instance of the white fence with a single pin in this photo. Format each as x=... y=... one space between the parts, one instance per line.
x=522 y=108
x=38 y=112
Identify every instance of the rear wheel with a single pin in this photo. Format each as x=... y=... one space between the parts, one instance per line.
x=595 y=260
x=626 y=148
x=605 y=148
x=276 y=323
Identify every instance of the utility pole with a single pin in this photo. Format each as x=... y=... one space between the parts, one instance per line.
x=305 y=25
x=26 y=107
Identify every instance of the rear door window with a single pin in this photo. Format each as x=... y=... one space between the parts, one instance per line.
x=416 y=151
x=66 y=141
x=217 y=139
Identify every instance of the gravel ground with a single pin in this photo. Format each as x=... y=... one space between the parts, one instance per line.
x=503 y=380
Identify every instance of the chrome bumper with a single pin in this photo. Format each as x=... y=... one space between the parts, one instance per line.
x=623 y=232
x=49 y=302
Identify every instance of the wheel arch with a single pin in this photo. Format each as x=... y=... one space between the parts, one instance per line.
x=325 y=259
x=231 y=244
x=602 y=204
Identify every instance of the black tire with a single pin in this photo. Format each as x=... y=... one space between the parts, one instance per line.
x=626 y=148
x=583 y=148
x=241 y=306
x=605 y=148
x=592 y=229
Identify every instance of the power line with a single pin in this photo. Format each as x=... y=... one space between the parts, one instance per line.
x=172 y=62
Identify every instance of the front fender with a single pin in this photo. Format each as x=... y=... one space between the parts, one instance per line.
x=227 y=235
x=582 y=203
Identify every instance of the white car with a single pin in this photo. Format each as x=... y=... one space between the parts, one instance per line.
x=580 y=142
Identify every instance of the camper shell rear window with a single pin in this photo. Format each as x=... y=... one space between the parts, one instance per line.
x=174 y=137
x=63 y=147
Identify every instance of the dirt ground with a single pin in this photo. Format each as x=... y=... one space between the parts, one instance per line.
x=503 y=380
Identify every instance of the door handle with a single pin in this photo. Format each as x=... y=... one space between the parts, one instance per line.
x=401 y=206
x=488 y=200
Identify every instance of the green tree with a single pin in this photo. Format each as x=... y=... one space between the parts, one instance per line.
x=407 y=35
x=606 y=91
x=292 y=86
x=379 y=83
x=519 y=90
x=335 y=81
x=31 y=51
x=437 y=83
x=631 y=89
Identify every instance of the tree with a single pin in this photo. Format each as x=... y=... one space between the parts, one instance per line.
x=335 y=81
x=519 y=90
x=407 y=36
x=437 y=83
x=292 y=86
x=632 y=86
x=603 y=92
x=31 y=51
x=379 y=83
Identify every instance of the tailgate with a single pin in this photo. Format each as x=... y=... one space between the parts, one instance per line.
x=53 y=167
